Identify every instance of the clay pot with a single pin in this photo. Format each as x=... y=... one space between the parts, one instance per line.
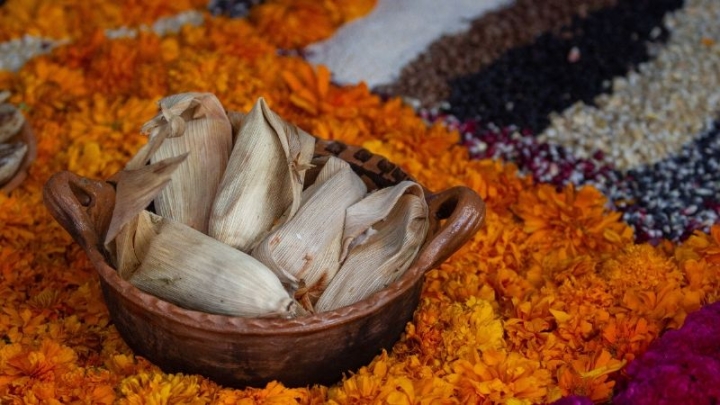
x=26 y=136
x=242 y=352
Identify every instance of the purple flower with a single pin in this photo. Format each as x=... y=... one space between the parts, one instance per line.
x=682 y=367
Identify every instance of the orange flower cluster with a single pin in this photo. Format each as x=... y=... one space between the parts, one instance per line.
x=550 y=298
x=294 y=24
x=67 y=19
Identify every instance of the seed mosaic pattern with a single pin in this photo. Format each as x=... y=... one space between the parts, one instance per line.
x=527 y=83
x=634 y=118
x=426 y=79
x=668 y=102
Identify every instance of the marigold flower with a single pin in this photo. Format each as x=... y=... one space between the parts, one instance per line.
x=588 y=375
x=157 y=388
x=68 y=19
x=21 y=367
x=295 y=23
x=310 y=91
x=571 y=222
x=499 y=377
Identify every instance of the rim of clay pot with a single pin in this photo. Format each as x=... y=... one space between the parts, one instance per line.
x=27 y=136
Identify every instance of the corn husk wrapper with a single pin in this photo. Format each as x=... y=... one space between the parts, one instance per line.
x=263 y=180
x=305 y=251
x=11 y=157
x=11 y=118
x=236 y=119
x=194 y=123
x=383 y=234
x=181 y=265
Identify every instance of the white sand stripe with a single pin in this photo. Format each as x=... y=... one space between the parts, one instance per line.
x=653 y=112
x=374 y=49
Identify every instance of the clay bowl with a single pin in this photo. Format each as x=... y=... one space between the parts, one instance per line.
x=26 y=136
x=242 y=352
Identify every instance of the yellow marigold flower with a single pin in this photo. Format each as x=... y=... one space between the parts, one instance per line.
x=362 y=387
x=156 y=388
x=469 y=327
x=274 y=393
x=121 y=364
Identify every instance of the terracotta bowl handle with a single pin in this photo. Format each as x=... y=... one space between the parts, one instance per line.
x=458 y=213
x=82 y=206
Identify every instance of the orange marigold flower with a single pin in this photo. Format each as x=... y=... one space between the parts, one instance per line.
x=312 y=92
x=351 y=132
x=572 y=221
x=648 y=282
x=274 y=393
x=72 y=20
x=703 y=244
x=499 y=377
x=214 y=34
x=351 y=10
x=589 y=376
x=368 y=385
x=21 y=367
x=423 y=336
x=295 y=23
x=639 y=266
x=626 y=336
